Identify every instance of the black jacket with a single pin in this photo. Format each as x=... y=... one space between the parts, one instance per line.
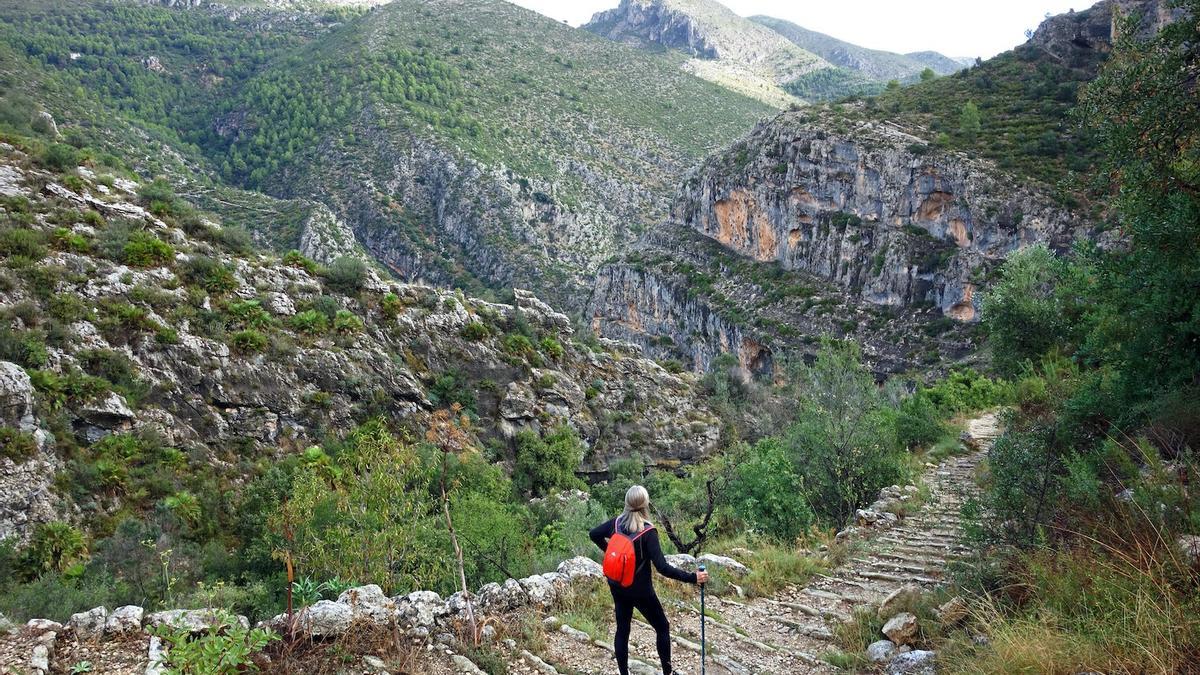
x=648 y=551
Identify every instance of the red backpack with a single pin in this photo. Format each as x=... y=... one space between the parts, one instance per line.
x=620 y=558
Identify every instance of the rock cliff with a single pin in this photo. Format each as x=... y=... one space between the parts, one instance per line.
x=210 y=351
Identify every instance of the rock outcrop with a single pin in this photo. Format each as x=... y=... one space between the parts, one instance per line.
x=283 y=356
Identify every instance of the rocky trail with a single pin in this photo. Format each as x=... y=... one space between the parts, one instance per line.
x=886 y=557
x=788 y=633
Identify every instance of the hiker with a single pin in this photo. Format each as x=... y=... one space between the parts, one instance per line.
x=630 y=544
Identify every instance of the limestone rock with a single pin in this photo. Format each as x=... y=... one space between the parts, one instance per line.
x=724 y=563
x=1190 y=545
x=881 y=651
x=953 y=611
x=111 y=412
x=891 y=604
x=37 y=626
x=369 y=604
x=542 y=589
x=916 y=662
x=901 y=629
x=89 y=625
x=16 y=397
x=325 y=618
x=192 y=620
x=580 y=566
x=124 y=619
x=499 y=598
x=420 y=609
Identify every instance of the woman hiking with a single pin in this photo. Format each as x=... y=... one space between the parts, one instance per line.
x=630 y=544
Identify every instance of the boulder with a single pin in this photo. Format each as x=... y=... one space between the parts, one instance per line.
x=724 y=563
x=325 y=619
x=499 y=598
x=541 y=589
x=16 y=397
x=901 y=629
x=36 y=626
x=420 y=609
x=580 y=567
x=1190 y=545
x=897 y=598
x=368 y=603
x=953 y=611
x=916 y=662
x=193 y=620
x=126 y=619
x=89 y=625
x=881 y=651
x=110 y=412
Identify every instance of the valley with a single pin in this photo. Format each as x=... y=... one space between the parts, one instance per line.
x=329 y=328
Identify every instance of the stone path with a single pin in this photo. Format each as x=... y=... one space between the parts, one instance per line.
x=788 y=633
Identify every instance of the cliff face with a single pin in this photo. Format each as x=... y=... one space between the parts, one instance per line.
x=872 y=211
x=217 y=352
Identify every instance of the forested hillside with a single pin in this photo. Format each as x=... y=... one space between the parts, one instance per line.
x=527 y=120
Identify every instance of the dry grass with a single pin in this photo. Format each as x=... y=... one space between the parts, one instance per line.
x=1122 y=601
x=311 y=656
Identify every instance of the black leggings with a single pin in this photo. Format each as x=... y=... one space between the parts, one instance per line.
x=650 y=608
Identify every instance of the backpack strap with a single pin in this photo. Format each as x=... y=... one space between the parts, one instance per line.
x=639 y=534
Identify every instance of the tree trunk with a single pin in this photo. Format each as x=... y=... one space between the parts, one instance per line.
x=458 y=555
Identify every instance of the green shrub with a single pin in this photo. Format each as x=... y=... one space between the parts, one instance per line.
x=53 y=548
x=518 y=345
x=146 y=250
x=236 y=240
x=25 y=348
x=918 y=422
x=225 y=648
x=24 y=243
x=347 y=275
x=66 y=240
x=295 y=258
x=346 y=323
x=60 y=157
x=547 y=464
x=551 y=348
x=210 y=274
x=16 y=445
x=55 y=391
x=159 y=197
x=475 y=330
x=249 y=341
x=767 y=493
x=452 y=388
x=310 y=322
x=391 y=306
x=1024 y=313
x=249 y=314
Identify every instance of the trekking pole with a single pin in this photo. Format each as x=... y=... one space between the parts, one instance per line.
x=703 y=644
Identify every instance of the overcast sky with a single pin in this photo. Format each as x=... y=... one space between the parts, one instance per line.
x=953 y=27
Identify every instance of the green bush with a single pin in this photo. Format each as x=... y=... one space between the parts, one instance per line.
x=225 y=648
x=1023 y=313
x=249 y=341
x=16 y=445
x=518 y=345
x=249 y=314
x=346 y=323
x=210 y=274
x=25 y=348
x=60 y=157
x=347 y=275
x=551 y=348
x=391 y=306
x=53 y=548
x=547 y=464
x=310 y=322
x=146 y=250
x=452 y=388
x=295 y=258
x=24 y=243
x=475 y=330
x=66 y=240
x=159 y=197
x=918 y=422
x=768 y=494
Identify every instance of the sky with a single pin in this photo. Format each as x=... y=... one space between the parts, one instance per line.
x=953 y=27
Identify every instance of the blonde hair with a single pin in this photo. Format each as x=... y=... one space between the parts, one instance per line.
x=636 y=515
